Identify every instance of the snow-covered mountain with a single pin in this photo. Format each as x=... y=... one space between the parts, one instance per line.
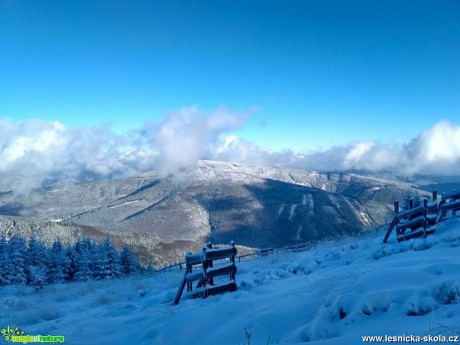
x=336 y=293
x=255 y=206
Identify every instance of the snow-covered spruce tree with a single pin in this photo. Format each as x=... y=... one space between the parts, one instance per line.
x=5 y=263
x=70 y=263
x=17 y=255
x=83 y=260
x=37 y=276
x=109 y=261
x=128 y=263
x=36 y=259
x=95 y=261
x=57 y=264
x=36 y=252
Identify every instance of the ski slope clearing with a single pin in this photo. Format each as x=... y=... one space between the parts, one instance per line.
x=333 y=294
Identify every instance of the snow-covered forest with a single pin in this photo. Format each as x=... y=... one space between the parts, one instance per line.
x=36 y=264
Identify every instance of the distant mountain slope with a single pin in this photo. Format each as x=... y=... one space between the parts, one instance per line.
x=255 y=206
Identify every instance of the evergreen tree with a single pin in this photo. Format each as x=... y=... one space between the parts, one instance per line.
x=70 y=263
x=57 y=263
x=83 y=260
x=36 y=253
x=36 y=259
x=96 y=258
x=128 y=263
x=17 y=258
x=5 y=263
x=110 y=261
x=37 y=276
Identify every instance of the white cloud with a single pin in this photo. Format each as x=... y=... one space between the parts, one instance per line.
x=234 y=149
x=357 y=152
x=188 y=135
x=435 y=151
x=441 y=143
x=18 y=142
x=35 y=152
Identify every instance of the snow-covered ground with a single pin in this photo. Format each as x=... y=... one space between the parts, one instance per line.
x=333 y=294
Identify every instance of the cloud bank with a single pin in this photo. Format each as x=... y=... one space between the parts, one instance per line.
x=34 y=153
x=435 y=151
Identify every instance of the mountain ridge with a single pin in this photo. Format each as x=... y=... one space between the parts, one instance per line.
x=256 y=206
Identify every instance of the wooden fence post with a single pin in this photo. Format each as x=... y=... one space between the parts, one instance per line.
x=454 y=212
x=232 y=275
x=210 y=264
x=188 y=269
x=425 y=209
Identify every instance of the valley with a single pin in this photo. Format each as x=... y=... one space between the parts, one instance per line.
x=162 y=217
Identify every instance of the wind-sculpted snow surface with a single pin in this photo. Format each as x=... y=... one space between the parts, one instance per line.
x=334 y=294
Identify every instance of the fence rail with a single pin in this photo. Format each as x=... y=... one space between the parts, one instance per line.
x=205 y=276
x=420 y=221
x=450 y=203
x=301 y=247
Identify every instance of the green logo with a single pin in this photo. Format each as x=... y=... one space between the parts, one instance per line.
x=16 y=335
x=8 y=333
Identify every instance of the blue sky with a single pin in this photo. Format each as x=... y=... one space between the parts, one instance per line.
x=320 y=73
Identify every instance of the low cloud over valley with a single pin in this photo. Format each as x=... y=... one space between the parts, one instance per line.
x=34 y=153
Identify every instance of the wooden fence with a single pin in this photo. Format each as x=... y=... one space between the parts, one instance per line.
x=420 y=221
x=301 y=247
x=450 y=204
x=212 y=263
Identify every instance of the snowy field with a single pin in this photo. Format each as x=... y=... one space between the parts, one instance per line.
x=334 y=294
